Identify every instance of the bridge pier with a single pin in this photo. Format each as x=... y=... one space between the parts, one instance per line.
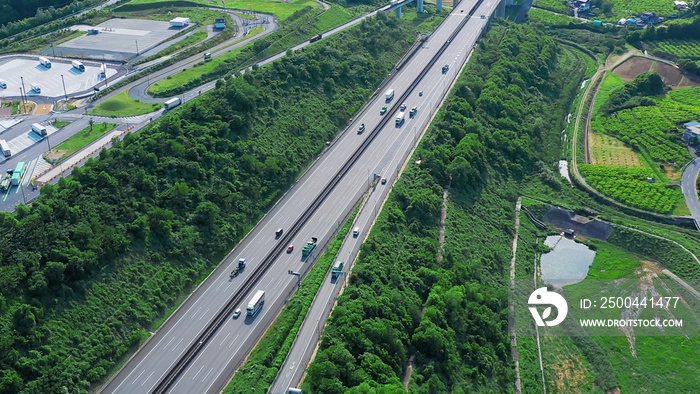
x=398 y=12
x=438 y=5
x=419 y=6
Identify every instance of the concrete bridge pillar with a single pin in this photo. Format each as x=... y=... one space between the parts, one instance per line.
x=439 y=5
x=398 y=12
x=419 y=6
x=501 y=9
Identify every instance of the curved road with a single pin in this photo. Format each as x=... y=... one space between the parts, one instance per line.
x=690 y=190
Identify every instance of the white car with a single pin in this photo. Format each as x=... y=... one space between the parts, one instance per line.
x=403 y=107
x=237 y=313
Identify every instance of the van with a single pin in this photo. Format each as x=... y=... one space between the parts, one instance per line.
x=355 y=231
x=3 y=84
x=207 y=55
x=35 y=87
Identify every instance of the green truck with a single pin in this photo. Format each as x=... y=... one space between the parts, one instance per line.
x=337 y=268
x=309 y=247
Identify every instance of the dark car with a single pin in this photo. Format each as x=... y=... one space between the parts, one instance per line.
x=278 y=233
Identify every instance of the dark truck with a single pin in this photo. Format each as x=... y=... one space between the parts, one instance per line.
x=309 y=247
x=241 y=265
x=316 y=38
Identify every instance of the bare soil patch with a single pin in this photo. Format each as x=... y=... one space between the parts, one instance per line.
x=633 y=67
x=671 y=75
x=689 y=80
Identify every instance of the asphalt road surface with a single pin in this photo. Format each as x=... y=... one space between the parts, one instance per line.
x=214 y=365
x=292 y=370
x=690 y=190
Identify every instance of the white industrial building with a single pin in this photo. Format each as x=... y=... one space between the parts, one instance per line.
x=180 y=22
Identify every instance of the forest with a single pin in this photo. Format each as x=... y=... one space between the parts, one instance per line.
x=96 y=261
x=443 y=308
x=19 y=15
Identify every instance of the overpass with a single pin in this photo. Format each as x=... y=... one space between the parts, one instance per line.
x=397 y=5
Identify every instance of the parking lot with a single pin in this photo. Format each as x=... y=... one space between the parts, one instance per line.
x=118 y=39
x=49 y=79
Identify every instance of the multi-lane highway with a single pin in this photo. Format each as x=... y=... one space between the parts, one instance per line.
x=213 y=366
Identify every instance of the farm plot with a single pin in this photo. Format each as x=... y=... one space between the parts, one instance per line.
x=633 y=67
x=608 y=150
x=554 y=5
x=688 y=96
x=630 y=186
x=625 y=8
x=544 y=16
x=685 y=48
x=671 y=75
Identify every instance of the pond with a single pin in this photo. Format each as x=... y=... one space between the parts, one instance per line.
x=567 y=263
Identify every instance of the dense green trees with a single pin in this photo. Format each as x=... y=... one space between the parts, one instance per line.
x=19 y=15
x=97 y=259
x=633 y=94
x=497 y=126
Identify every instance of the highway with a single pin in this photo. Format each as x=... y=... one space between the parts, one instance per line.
x=214 y=365
x=690 y=190
x=300 y=354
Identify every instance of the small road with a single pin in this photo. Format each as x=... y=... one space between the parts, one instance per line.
x=690 y=190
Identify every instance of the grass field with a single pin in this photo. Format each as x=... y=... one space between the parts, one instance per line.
x=80 y=139
x=544 y=16
x=189 y=41
x=642 y=363
x=59 y=123
x=610 y=151
x=198 y=69
x=123 y=105
x=279 y=9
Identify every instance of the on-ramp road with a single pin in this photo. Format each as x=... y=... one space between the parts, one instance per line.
x=690 y=190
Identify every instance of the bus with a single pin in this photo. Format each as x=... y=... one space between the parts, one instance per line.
x=17 y=174
x=5 y=148
x=256 y=303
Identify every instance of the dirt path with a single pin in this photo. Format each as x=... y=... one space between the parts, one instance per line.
x=443 y=216
x=511 y=308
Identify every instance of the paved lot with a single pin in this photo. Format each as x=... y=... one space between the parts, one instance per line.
x=118 y=39
x=27 y=139
x=49 y=79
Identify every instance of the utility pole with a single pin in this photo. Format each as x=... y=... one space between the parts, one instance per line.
x=64 y=88
x=137 y=47
x=24 y=103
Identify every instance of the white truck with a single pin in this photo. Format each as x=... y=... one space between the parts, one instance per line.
x=256 y=303
x=39 y=129
x=400 y=118
x=172 y=103
x=3 y=84
x=389 y=94
x=35 y=87
x=5 y=148
x=79 y=65
x=44 y=62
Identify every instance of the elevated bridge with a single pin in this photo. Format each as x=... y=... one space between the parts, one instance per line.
x=396 y=5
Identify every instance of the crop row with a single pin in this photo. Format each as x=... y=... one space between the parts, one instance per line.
x=629 y=186
x=555 y=5
x=544 y=16
x=687 y=48
x=688 y=96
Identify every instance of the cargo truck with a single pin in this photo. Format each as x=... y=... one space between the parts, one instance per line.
x=78 y=65
x=5 y=182
x=400 y=118
x=309 y=247
x=5 y=148
x=316 y=38
x=17 y=173
x=256 y=303
x=39 y=129
x=172 y=103
x=389 y=94
x=337 y=268
x=45 y=62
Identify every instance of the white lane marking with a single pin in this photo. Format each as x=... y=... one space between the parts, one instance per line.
x=149 y=376
x=195 y=314
x=222 y=342
x=178 y=344
x=137 y=378
x=234 y=341
x=166 y=345
x=205 y=376
x=195 y=375
x=204 y=314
